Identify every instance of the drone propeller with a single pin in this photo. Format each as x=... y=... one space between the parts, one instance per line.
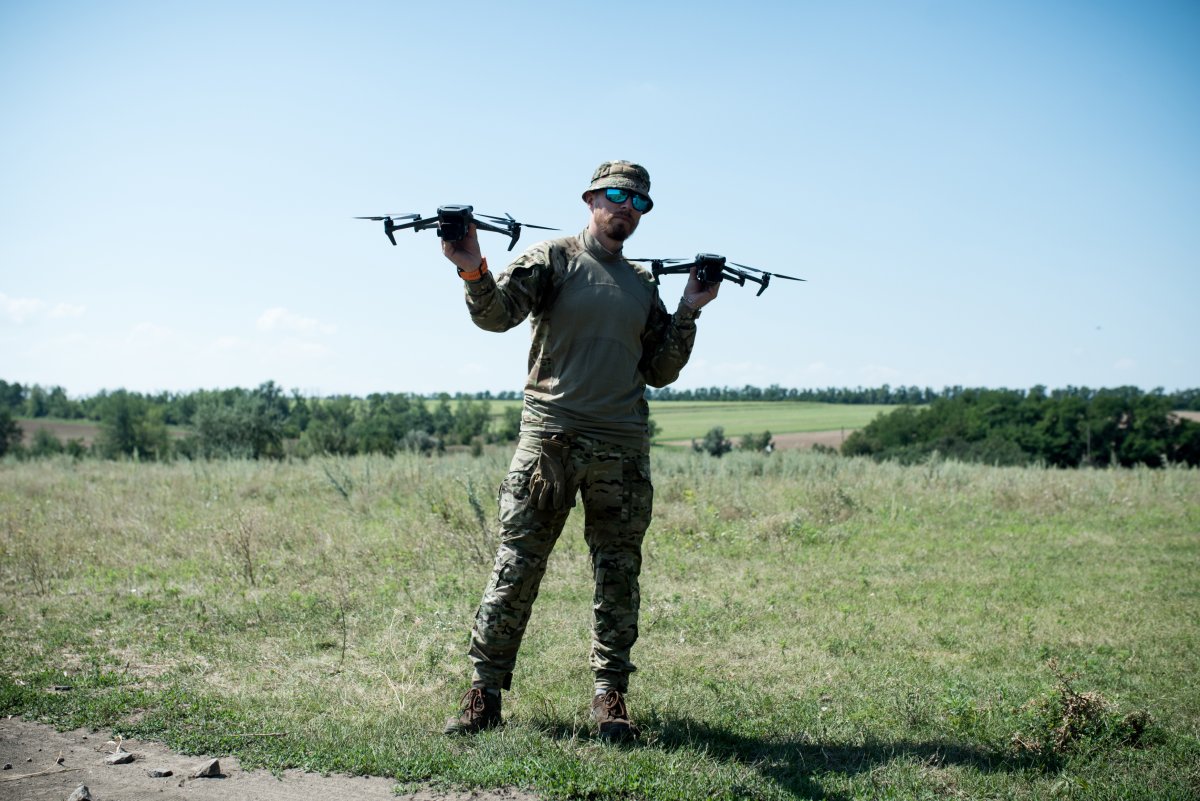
x=453 y=222
x=390 y=226
x=507 y=219
x=764 y=272
x=712 y=269
x=510 y=226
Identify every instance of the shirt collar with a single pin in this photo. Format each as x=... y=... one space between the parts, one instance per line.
x=594 y=247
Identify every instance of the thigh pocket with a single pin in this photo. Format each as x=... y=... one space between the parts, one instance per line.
x=637 y=501
x=513 y=496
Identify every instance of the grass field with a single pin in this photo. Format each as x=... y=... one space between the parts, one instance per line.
x=813 y=627
x=685 y=420
x=692 y=419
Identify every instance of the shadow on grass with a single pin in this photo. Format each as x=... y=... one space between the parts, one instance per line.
x=798 y=764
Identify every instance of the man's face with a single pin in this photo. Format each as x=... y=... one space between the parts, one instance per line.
x=617 y=221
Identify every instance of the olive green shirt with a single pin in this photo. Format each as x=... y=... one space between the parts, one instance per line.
x=600 y=335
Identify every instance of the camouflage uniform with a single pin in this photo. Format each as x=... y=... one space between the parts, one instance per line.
x=600 y=335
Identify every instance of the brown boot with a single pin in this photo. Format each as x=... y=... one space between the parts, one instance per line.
x=480 y=710
x=612 y=717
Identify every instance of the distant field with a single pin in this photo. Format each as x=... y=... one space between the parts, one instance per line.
x=681 y=420
x=84 y=430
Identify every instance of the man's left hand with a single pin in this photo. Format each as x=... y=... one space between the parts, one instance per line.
x=697 y=295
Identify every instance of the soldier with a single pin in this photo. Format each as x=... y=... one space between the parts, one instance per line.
x=600 y=335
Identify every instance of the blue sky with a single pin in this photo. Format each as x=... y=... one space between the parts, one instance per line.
x=979 y=194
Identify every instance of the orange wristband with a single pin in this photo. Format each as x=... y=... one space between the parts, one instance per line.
x=479 y=273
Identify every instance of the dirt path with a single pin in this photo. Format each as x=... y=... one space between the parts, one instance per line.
x=33 y=751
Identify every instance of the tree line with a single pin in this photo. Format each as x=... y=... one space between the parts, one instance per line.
x=885 y=395
x=1063 y=428
x=259 y=423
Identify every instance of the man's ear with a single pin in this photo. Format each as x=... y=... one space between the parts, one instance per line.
x=587 y=198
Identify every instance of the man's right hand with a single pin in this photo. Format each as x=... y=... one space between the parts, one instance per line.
x=465 y=253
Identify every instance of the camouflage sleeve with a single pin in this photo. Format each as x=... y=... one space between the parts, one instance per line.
x=667 y=343
x=498 y=304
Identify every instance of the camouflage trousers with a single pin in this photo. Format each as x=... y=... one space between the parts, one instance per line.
x=614 y=484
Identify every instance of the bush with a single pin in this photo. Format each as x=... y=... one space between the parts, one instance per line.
x=757 y=442
x=45 y=443
x=714 y=443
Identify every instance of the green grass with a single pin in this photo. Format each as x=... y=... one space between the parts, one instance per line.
x=680 y=420
x=813 y=627
x=693 y=419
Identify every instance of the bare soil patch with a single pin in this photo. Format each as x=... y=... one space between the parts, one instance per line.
x=64 y=431
x=47 y=765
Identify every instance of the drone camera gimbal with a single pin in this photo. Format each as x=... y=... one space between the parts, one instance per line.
x=709 y=267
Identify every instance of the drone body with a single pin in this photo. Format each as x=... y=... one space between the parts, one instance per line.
x=452 y=223
x=713 y=269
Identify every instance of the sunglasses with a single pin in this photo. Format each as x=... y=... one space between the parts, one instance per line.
x=641 y=203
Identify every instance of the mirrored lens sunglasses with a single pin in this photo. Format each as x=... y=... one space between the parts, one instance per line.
x=641 y=203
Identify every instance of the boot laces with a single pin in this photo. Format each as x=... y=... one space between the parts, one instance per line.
x=473 y=701
x=614 y=705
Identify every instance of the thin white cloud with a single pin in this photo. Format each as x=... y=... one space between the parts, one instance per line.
x=19 y=310
x=22 y=310
x=280 y=319
x=1125 y=364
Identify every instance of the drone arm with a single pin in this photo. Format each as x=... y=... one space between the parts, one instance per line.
x=735 y=276
x=390 y=227
x=672 y=269
x=485 y=226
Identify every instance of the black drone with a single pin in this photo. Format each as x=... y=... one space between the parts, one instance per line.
x=452 y=223
x=713 y=269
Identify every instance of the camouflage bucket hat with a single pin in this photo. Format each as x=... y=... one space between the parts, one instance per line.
x=622 y=175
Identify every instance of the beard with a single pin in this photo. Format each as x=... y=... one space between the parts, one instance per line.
x=619 y=228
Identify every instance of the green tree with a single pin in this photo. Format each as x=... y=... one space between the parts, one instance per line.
x=37 y=402
x=471 y=420
x=510 y=426
x=12 y=396
x=443 y=417
x=60 y=406
x=247 y=425
x=329 y=427
x=10 y=432
x=129 y=426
